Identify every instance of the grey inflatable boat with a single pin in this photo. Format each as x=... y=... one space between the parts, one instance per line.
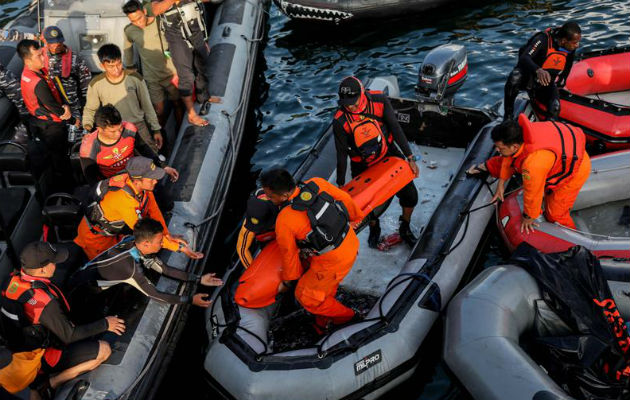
x=364 y=360
x=205 y=158
x=486 y=321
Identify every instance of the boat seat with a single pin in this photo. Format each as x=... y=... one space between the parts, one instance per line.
x=13 y=202
x=75 y=162
x=15 y=165
x=62 y=213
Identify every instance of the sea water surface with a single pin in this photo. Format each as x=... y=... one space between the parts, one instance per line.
x=294 y=96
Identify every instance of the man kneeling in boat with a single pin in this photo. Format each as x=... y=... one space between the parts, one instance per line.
x=35 y=315
x=120 y=202
x=314 y=223
x=543 y=66
x=366 y=130
x=126 y=263
x=552 y=160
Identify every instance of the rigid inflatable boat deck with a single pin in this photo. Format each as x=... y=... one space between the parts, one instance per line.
x=603 y=219
x=374 y=269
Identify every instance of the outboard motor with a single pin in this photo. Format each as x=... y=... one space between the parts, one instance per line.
x=443 y=72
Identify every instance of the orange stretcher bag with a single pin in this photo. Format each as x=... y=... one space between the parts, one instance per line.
x=258 y=286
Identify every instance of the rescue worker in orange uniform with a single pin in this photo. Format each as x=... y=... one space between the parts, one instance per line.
x=35 y=316
x=552 y=160
x=315 y=223
x=259 y=226
x=543 y=66
x=105 y=152
x=121 y=201
x=366 y=130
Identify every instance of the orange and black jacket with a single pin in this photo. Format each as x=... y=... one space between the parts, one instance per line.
x=41 y=96
x=35 y=314
x=381 y=108
x=101 y=161
x=536 y=52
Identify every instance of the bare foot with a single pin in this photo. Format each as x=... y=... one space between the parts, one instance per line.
x=215 y=99
x=196 y=120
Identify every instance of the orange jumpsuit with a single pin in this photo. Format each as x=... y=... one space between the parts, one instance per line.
x=535 y=170
x=317 y=287
x=119 y=205
x=554 y=165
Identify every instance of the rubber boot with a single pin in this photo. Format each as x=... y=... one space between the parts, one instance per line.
x=375 y=235
x=405 y=232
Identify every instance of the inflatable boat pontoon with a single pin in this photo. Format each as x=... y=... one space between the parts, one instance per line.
x=488 y=322
x=597 y=214
x=363 y=360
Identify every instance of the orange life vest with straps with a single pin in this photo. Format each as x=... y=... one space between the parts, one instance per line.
x=66 y=62
x=96 y=218
x=28 y=82
x=367 y=141
x=565 y=141
x=111 y=159
x=23 y=301
x=555 y=59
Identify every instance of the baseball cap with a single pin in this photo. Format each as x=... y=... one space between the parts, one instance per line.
x=349 y=91
x=37 y=254
x=53 y=34
x=260 y=215
x=142 y=167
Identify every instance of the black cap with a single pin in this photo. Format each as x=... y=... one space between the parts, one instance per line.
x=260 y=216
x=349 y=91
x=38 y=254
x=142 y=167
x=53 y=34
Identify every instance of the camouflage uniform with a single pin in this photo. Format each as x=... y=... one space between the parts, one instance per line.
x=10 y=86
x=76 y=85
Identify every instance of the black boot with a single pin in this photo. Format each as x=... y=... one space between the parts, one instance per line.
x=375 y=235
x=405 y=232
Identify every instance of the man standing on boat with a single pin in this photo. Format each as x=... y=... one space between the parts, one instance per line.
x=314 y=224
x=366 y=130
x=49 y=112
x=543 y=66
x=35 y=315
x=157 y=66
x=127 y=91
x=68 y=67
x=551 y=158
x=185 y=31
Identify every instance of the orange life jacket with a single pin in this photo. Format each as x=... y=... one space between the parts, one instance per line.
x=96 y=218
x=23 y=301
x=66 y=62
x=29 y=80
x=367 y=141
x=556 y=59
x=111 y=159
x=565 y=141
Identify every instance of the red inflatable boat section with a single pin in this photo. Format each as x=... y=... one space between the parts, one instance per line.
x=258 y=286
x=509 y=217
x=602 y=121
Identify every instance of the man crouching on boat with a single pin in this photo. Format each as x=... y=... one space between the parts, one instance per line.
x=315 y=222
x=551 y=158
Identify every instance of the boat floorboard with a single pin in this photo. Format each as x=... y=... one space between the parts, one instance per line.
x=621 y=98
x=374 y=269
x=603 y=219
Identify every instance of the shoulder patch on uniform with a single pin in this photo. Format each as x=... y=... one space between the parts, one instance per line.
x=254 y=220
x=306 y=196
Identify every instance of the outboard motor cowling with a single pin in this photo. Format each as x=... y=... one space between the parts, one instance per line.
x=442 y=73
